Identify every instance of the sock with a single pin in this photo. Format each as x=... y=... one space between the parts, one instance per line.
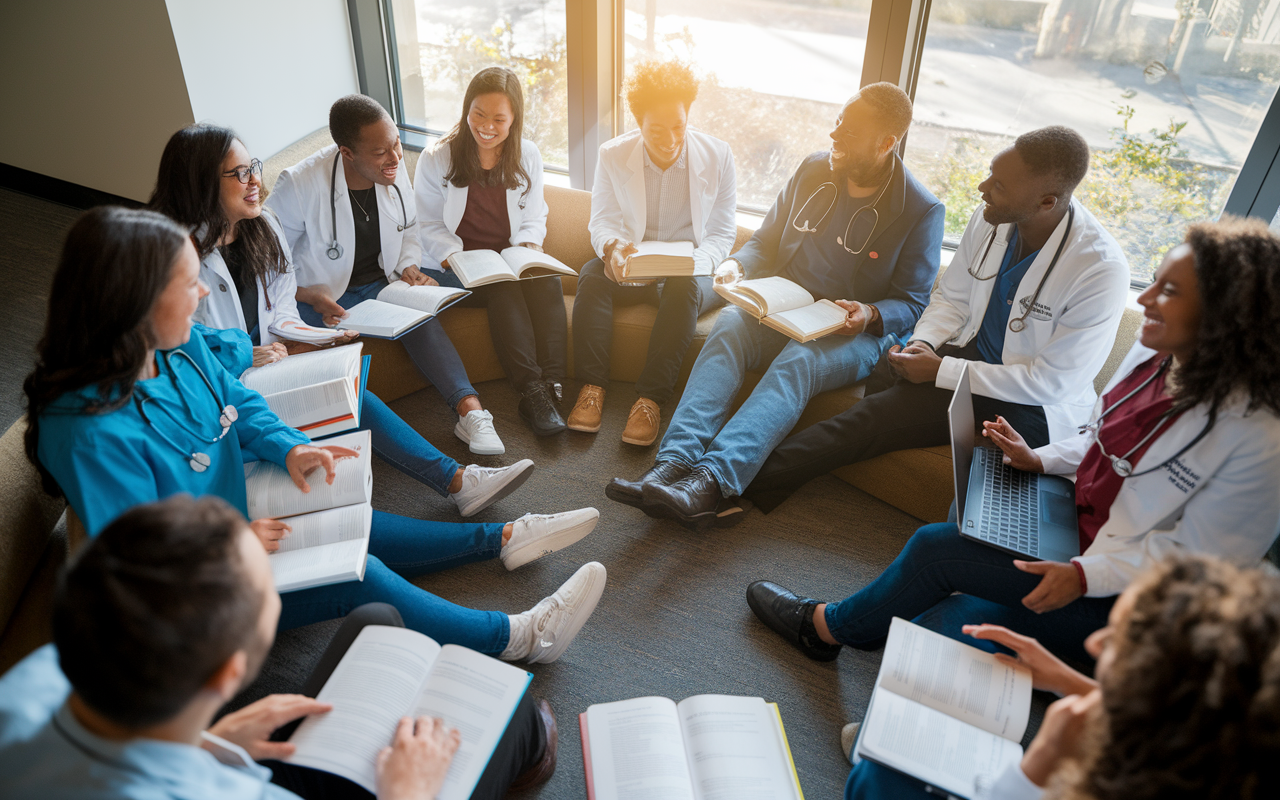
x=518 y=644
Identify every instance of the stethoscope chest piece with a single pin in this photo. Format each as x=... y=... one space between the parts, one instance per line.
x=1017 y=325
x=228 y=418
x=200 y=461
x=1122 y=466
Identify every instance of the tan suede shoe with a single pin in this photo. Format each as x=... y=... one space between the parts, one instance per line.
x=642 y=423
x=585 y=416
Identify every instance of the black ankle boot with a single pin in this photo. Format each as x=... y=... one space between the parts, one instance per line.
x=537 y=409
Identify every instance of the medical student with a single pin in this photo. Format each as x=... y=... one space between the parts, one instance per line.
x=661 y=183
x=1031 y=302
x=349 y=220
x=1186 y=675
x=126 y=406
x=852 y=225
x=1181 y=455
x=480 y=188
x=246 y=264
x=113 y=709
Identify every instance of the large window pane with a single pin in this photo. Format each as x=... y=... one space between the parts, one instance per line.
x=1169 y=94
x=441 y=44
x=775 y=74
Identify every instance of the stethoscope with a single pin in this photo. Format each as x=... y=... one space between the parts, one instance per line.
x=335 y=247
x=803 y=227
x=198 y=461
x=1121 y=464
x=1019 y=324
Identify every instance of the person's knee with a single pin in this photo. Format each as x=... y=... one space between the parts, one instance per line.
x=376 y=614
x=932 y=542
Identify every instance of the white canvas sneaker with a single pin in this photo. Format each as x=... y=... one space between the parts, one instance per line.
x=484 y=486
x=542 y=634
x=536 y=535
x=476 y=429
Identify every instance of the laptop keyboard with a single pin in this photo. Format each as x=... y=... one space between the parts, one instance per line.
x=1010 y=504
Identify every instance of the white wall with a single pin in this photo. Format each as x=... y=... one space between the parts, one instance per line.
x=91 y=91
x=270 y=69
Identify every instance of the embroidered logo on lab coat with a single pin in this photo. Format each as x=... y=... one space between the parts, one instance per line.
x=1040 y=312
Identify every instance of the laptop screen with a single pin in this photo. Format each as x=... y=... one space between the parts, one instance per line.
x=960 y=414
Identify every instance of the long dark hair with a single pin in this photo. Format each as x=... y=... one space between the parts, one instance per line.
x=464 y=155
x=189 y=189
x=1237 y=350
x=115 y=263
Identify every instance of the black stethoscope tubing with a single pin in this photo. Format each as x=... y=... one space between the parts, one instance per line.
x=1019 y=324
x=335 y=247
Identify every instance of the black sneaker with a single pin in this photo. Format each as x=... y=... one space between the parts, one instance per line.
x=537 y=409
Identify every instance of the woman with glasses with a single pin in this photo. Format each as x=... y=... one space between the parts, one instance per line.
x=208 y=182
x=1182 y=456
x=480 y=188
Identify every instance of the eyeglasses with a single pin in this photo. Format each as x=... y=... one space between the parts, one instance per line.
x=242 y=173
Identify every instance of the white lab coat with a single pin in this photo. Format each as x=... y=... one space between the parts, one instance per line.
x=221 y=307
x=1220 y=498
x=618 y=203
x=301 y=199
x=441 y=204
x=1052 y=363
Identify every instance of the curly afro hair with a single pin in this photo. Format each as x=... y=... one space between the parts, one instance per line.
x=653 y=82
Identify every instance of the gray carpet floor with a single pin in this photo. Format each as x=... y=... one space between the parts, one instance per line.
x=673 y=620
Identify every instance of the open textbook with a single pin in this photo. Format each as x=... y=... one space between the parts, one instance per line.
x=398 y=309
x=663 y=260
x=707 y=747
x=389 y=673
x=944 y=712
x=298 y=331
x=785 y=306
x=329 y=540
x=481 y=267
x=318 y=393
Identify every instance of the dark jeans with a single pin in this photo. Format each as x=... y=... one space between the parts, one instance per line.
x=530 y=329
x=868 y=781
x=895 y=415
x=680 y=302
x=519 y=748
x=937 y=562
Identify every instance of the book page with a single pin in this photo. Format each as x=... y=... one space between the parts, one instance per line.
x=431 y=299
x=733 y=750
x=478 y=267
x=529 y=263
x=637 y=751
x=809 y=322
x=664 y=249
x=937 y=749
x=664 y=260
x=956 y=679
x=319 y=566
x=304 y=369
x=297 y=331
x=373 y=686
x=774 y=294
x=272 y=493
x=376 y=318
x=741 y=300
x=308 y=406
x=477 y=695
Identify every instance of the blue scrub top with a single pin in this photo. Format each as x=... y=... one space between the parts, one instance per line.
x=108 y=463
x=995 y=320
x=822 y=265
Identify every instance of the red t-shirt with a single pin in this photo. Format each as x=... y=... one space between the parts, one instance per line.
x=485 y=224
x=1097 y=483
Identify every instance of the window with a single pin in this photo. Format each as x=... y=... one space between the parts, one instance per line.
x=1169 y=94
x=775 y=74
x=441 y=44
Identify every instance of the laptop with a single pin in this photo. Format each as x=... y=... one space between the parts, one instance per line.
x=1024 y=513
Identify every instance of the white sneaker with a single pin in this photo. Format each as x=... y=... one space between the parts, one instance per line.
x=476 y=429
x=484 y=486
x=536 y=535
x=542 y=634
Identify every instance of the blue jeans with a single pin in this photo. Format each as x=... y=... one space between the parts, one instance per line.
x=400 y=548
x=796 y=372
x=427 y=345
x=937 y=562
x=404 y=448
x=868 y=781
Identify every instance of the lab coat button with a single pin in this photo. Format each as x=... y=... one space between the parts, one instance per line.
x=222 y=287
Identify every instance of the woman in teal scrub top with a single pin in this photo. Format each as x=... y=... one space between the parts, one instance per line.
x=125 y=406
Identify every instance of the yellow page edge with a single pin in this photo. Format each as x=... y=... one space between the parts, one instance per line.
x=787 y=747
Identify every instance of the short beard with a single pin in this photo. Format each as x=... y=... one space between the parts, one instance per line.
x=865 y=173
x=1002 y=216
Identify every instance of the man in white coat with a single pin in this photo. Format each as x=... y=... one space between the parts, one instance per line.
x=345 y=214
x=661 y=183
x=1031 y=301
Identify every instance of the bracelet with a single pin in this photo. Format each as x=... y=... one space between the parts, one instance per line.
x=1084 y=582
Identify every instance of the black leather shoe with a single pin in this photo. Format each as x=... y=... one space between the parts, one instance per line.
x=537 y=409
x=694 y=501
x=545 y=766
x=628 y=492
x=791 y=617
